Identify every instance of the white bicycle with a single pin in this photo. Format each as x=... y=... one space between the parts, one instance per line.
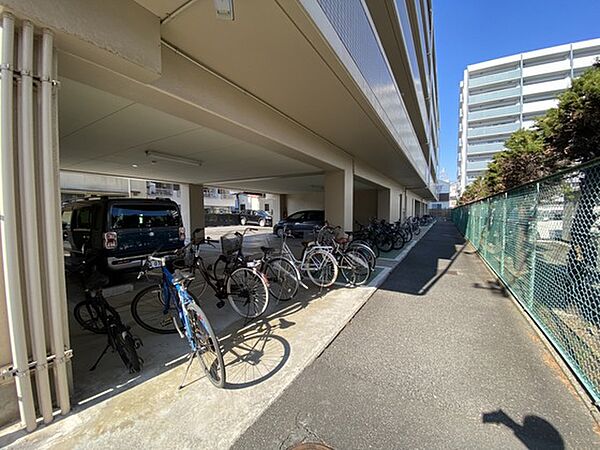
x=317 y=261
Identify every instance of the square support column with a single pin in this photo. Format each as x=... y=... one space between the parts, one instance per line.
x=196 y=210
x=389 y=204
x=339 y=192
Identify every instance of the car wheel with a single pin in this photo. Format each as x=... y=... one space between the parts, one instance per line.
x=262 y=222
x=243 y=221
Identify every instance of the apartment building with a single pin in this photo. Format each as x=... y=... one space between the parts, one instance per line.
x=500 y=96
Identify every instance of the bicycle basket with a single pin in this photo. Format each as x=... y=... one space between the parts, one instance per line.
x=231 y=243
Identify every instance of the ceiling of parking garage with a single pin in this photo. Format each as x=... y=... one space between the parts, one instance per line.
x=105 y=133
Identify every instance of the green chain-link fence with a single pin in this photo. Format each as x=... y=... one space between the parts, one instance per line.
x=543 y=241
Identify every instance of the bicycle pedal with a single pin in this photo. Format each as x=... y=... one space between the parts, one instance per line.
x=220 y=304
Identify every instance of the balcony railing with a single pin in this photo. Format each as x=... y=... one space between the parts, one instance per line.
x=494 y=112
x=494 y=95
x=494 y=130
x=477 y=149
x=495 y=78
x=477 y=165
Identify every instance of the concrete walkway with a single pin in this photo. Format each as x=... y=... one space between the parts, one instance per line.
x=439 y=357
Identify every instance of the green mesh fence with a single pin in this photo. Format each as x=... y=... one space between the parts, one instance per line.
x=542 y=240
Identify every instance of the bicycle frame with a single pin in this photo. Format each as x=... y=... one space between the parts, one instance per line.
x=183 y=299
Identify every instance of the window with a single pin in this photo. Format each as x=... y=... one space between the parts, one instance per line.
x=314 y=216
x=83 y=218
x=267 y=207
x=144 y=216
x=296 y=217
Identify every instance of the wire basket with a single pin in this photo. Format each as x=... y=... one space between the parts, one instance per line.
x=231 y=243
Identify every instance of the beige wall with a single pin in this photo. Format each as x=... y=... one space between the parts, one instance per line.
x=306 y=200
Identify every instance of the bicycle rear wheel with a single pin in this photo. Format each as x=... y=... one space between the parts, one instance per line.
x=282 y=278
x=384 y=242
x=207 y=345
x=148 y=310
x=87 y=316
x=247 y=292
x=321 y=267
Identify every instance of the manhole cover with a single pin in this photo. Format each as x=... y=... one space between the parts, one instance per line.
x=309 y=446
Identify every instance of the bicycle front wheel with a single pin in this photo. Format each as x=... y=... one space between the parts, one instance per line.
x=207 y=345
x=126 y=348
x=282 y=278
x=322 y=268
x=355 y=268
x=247 y=292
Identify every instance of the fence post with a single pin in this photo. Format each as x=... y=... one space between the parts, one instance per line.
x=532 y=229
x=503 y=248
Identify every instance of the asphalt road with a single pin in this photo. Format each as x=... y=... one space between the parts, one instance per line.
x=439 y=357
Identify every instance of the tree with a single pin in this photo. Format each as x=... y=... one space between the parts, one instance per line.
x=521 y=162
x=571 y=132
x=476 y=190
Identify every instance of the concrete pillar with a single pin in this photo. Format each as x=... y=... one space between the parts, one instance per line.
x=196 y=210
x=339 y=191
x=384 y=207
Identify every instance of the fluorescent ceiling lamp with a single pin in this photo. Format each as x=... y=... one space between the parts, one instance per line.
x=224 y=9
x=176 y=159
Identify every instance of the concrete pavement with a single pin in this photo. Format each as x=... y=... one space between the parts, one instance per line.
x=439 y=357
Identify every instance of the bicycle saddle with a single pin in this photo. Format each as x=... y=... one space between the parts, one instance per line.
x=96 y=281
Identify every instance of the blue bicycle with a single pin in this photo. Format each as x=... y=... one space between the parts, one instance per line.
x=170 y=301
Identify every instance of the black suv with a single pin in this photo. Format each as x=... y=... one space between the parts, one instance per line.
x=120 y=232
x=300 y=222
x=257 y=217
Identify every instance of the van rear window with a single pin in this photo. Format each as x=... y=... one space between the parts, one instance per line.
x=144 y=216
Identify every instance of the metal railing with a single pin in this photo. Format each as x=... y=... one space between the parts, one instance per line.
x=543 y=241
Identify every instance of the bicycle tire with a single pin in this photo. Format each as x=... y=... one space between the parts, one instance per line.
x=154 y=304
x=278 y=271
x=322 y=268
x=357 y=270
x=247 y=292
x=366 y=251
x=92 y=322
x=125 y=347
x=398 y=241
x=206 y=341
x=384 y=242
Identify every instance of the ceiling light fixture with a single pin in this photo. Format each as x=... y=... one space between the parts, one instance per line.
x=224 y=9
x=172 y=158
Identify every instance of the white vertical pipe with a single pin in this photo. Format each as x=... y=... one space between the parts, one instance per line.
x=29 y=222
x=51 y=222
x=9 y=232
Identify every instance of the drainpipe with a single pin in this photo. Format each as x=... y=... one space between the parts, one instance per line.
x=29 y=224
x=55 y=292
x=9 y=233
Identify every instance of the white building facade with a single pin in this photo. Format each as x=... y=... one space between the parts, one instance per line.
x=500 y=96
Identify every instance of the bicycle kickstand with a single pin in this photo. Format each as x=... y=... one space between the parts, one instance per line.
x=187 y=369
x=100 y=357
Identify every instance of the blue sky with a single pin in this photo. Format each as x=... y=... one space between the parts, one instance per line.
x=470 y=31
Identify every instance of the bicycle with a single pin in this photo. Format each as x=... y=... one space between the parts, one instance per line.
x=282 y=276
x=95 y=314
x=179 y=306
x=355 y=268
x=316 y=261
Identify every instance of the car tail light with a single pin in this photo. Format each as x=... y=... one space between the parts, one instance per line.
x=182 y=233
x=110 y=240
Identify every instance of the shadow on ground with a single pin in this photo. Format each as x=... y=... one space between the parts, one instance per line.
x=535 y=433
x=419 y=272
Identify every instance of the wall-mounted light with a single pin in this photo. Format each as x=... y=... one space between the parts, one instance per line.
x=172 y=158
x=224 y=9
